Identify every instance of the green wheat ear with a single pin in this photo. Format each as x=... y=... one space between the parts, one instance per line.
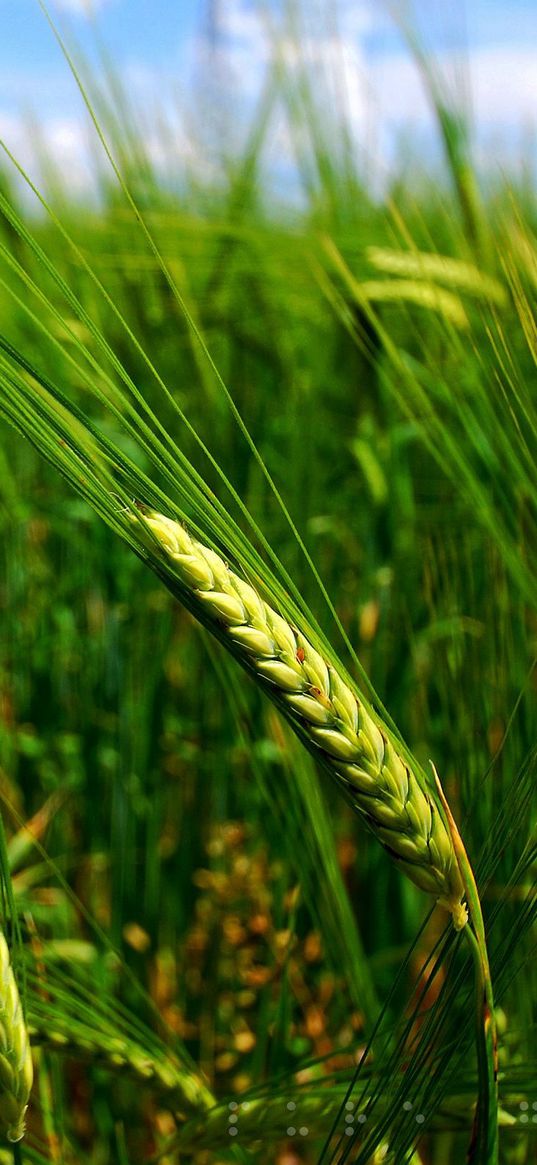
x=16 y=1071
x=354 y=746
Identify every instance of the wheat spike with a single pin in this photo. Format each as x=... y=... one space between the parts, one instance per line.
x=16 y=1071
x=334 y=719
x=453 y=272
x=183 y=1090
x=413 y=291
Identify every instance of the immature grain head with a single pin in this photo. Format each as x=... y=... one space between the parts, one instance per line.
x=353 y=745
x=179 y=1085
x=16 y=1072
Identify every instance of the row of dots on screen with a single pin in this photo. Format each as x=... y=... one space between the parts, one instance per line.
x=302 y=1131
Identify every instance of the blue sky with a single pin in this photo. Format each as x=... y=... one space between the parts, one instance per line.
x=153 y=30
x=489 y=45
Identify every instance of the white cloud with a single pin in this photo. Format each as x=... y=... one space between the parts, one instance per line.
x=502 y=78
x=85 y=8
x=380 y=94
x=240 y=22
x=504 y=81
x=499 y=96
x=502 y=84
x=249 y=41
x=60 y=149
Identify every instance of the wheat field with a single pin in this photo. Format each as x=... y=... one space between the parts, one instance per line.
x=268 y=610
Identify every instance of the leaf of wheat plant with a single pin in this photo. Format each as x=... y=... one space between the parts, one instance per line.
x=178 y=374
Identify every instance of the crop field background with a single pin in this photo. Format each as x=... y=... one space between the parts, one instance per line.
x=217 y=960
